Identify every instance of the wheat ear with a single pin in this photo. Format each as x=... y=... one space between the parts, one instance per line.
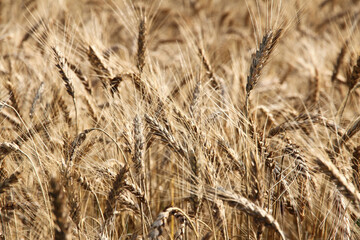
x=345 y=187
x=160 y=222
x=60 y=65
x=8 y=182
x=260 y=59
x=352 y=79
x=99 y=67
x=141 y=48
x=248 y=207
x=38 y=94
x=62 y=225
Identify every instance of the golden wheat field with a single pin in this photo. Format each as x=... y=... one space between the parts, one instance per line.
x=179 y=119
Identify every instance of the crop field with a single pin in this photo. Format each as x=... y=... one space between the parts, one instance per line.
x=179 y=119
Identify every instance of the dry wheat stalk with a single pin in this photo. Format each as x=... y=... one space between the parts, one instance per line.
x=256 y=177
x=204 y=153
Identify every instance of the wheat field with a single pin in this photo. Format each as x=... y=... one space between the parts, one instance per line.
x=179 y=119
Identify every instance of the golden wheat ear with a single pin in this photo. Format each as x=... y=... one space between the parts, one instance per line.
x=141 y=49
x=99 y=67
x=60 y=65
x=260 y=59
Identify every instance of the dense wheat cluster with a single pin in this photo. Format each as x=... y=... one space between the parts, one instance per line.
x=179 y=119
